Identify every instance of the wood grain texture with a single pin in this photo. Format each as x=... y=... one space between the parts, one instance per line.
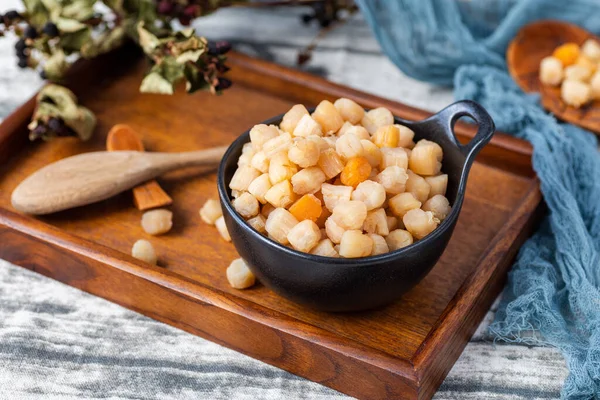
x=536 y=41
x=149 y=194
x=401 y=351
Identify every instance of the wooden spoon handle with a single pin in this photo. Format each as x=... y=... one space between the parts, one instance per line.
x=91 y=177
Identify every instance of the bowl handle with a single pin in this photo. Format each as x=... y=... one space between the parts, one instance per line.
x=485 y=130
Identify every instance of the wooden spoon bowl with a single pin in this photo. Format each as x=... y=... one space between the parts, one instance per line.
x=536 y=41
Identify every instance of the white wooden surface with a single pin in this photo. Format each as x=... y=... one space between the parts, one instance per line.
x=57 y=342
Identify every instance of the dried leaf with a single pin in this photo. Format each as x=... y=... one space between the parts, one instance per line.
x=148 y=41
x=79 y=10
x=73 y=41
x=155 y=83
x=56 y=65
x=107 y=41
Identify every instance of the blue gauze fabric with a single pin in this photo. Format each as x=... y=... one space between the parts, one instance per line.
x=553 y=288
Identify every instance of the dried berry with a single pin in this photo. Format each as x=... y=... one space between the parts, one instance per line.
x=22 y=63
x=12 y=15
x=224 y=83
x=50 y=29
x=30 y=32
x=20 y=45
x=165 y=7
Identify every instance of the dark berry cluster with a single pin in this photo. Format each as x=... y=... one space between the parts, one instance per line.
x=184 y=11
x=53 y=128
x=325 y=12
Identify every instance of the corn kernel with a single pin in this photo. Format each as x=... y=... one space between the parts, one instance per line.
x=357 y=170
x=222 y=229
x=307 y=126
x=246 y=205
x=371 y=152
x=281 y=194
x=304 y=236
x=372 y=194
x=406 y=136
x=328 y=117
x=261 y=134
x=349 y=146
x=330 y=163
x=420 y=223
x=425 y=158
x=334 y=194
x=376 y=222
x=281 y=168
x=398 y=239
x=259 y=187
x=247 y=154
x=393 y=156
x=243 y=177
x=551 y=71
x=438 y=184
x=575 y=93
x=266 y=210
x=303 y=152
x=401 y=203
x=380 y=246
x=358 y=131
x=210 y=211
x=239 y=275
x=567 y=53
x=349 y=110
x=376 y=118
x=591 y=49
x=260 y=162
x=393 y=179
x=258 y=223
x=350 y=214
x=392 y=222
x=308 y=180
x=278 y=144
x=355 y=244
x=578 y=72
x=386 y=136
x=331 y=141
x=307 y=207
x=143 y=250
x=325 y=249
x=236 y=193
x=334 y=231
x=347 y=125
x=418 y=186
x=322 y=143
x=279 y=223
x=292 y=117
x=439 y=206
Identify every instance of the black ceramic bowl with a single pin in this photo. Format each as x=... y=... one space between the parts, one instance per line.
x=342 y=284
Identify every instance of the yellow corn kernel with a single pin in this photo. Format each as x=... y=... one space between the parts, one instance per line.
x=281 y=168
x=211 y=211
x=278 y=144
x=380 y=246
x=575 y=93
x=350 y=214
x=358 y=131
x=356 y=170
x=304 y=236
x=222 y=229
x=143 y=250
x=401 y=203
x=425 y=158
x=281 y=194
x=371 y=152
x=261 y=134
x=239 y=275
x=393 y=179
x=321 y=143
x=420 y=223
x=578 y=72
x=398 y=239
x=349 y=146
x=567 y=53
x=418 y=186
x=376 y=118
x=439 y=206
x=347 y=125
x=292 y=117
x=392 y=222
x=307 y=126
x=386 y=136
x=406 y=137
x=308 y=180
x=393 y=156
x=372 y=194
x=325 y=249
x=334 y=194
x=376 y=222
x=591 y=50
x=266 y=210
x=355 y=244
x=246 y=205
x=258 y=223
x=330 y=163
x=279 y=223
x=304 y=152
x=334 y=231
x=307 y=207
x=349 y=110
x=438 y=184
x=247 y=155
x=259 y=187
x=260 y=162
x=242 y=178
x=328 y=117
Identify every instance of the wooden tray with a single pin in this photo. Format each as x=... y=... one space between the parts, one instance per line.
x=402 y=351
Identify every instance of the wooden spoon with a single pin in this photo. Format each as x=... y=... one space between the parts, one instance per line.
x=149 y=194
x=536 y=41
x=91 y=177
